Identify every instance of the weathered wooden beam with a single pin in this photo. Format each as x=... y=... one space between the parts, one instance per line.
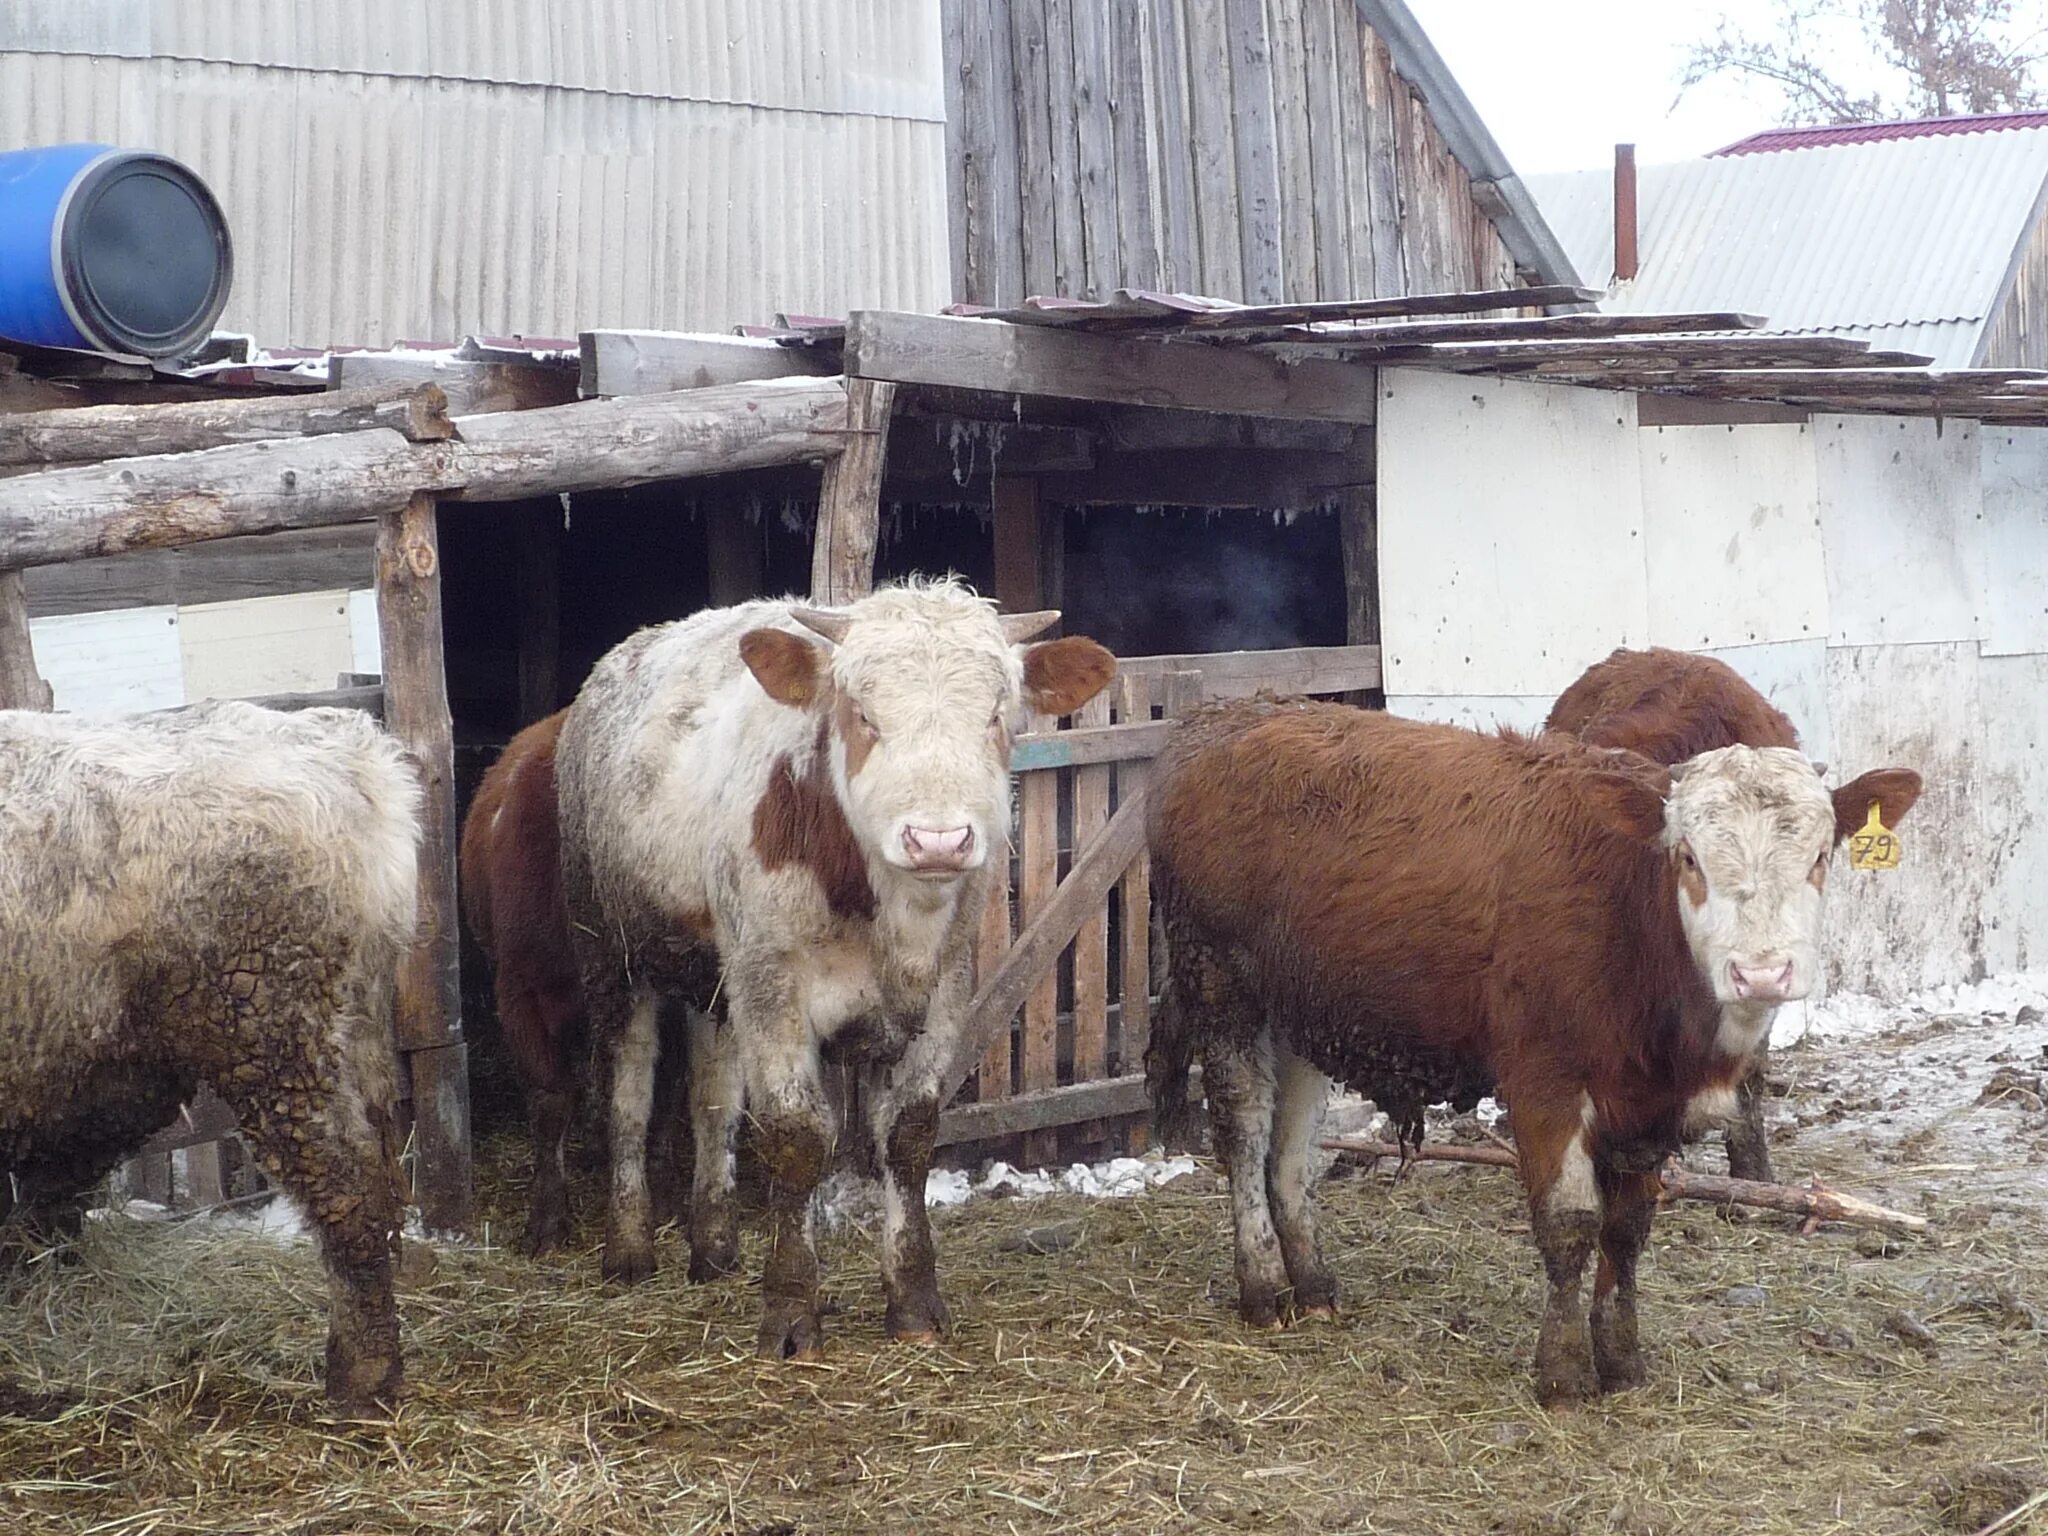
x=850 y=502
x=1271 y=479
x=429 y=1013
x=1088 y=745
x=1046 y=1109
x=1239 y=674
x=368 y=697
x=90 y=433
x=1501 y=328
x=473 y=388
x=994 y=356
x=655 y=362
x=303 y=560
x=1644 y=354
x=160 y=502
x=21 y=687
x=1087 y=885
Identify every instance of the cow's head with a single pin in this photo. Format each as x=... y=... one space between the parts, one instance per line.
x=918 y=690
x=1749 y=831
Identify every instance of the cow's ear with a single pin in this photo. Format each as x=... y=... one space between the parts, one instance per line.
x=1062 y=675
x=1894 y=790
x=1626 y=795
x=789 y=667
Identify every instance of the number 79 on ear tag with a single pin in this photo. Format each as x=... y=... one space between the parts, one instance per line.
x=1874 y=845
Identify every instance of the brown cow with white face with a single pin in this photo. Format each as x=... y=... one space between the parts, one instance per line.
x=1426 y=913
x=799 y=814
x=1671 y=705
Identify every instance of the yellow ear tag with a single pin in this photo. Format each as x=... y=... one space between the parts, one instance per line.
x=1875 y=846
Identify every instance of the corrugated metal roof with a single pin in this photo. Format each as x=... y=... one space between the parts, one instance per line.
x=396 y=169
x=1821 y=136
x=1904 y=242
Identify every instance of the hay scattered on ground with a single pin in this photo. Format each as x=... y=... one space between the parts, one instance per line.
x=1103 y=1385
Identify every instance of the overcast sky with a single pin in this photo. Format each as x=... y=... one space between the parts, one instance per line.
x=1561 y=85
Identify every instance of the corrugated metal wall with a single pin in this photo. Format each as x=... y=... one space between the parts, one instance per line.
x=397 y=170
x=1878 y=578
x=1259 y=150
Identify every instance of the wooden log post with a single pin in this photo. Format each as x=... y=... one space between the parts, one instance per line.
x=850 y=503
x=429 y=1019
x=20 y=685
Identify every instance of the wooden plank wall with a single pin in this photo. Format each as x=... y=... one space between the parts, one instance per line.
x=1257 y=150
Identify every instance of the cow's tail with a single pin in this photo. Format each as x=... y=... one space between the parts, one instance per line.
x=1170 y=1058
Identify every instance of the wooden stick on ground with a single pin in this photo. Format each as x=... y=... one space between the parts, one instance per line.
x=1680 y=1183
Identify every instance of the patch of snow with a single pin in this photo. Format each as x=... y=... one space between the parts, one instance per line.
x=1858 y=1016
x=843 y=1198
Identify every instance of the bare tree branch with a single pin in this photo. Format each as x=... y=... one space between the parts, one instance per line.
x=1944 y=56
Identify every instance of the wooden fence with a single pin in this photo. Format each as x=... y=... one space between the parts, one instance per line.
x=1066 y=969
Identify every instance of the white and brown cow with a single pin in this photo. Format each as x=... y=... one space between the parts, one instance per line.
x=797 y=813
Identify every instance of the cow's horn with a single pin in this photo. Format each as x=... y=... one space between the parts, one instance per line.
x=1678 y=770
x=1820 y=768
x=1019 y=627
x=833 y=626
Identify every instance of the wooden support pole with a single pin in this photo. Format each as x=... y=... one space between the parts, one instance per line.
x=539 y=535
x=90 y=433
x=734 y=558
x=20 y=685
x=429 y=986
x=850 y=503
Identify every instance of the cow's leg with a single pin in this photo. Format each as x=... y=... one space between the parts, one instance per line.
x=905 y=1125
x=629 y=1056
x=670 y=1139
x=785 y=1098
x=1625 y=1227
x=1237 y=1078
x=1553 y=1137
x=716 y=1097
x=1749 y=1154
x=547 y=1210
x=1302 y=1094
x=333 y=1148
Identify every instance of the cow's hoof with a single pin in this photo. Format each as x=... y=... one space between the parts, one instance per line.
x=1318 y=1312
x=544 y=1234
x=627 y=1263
x=708 y=1265
x=919 y=1319
x=1623 y=1375
x=791 y=1330
x=1565 y=1380
x=366 y=1382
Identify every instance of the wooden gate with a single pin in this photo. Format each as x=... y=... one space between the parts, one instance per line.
x=1063 y=1003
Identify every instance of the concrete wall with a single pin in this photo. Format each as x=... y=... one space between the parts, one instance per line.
x=1882 y=580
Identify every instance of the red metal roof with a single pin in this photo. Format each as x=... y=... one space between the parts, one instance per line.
x=1869 y=133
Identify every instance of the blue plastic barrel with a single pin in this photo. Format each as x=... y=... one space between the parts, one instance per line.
x=110 y=250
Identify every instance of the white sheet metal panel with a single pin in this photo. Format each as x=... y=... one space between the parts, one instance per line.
x=1793 y=675
x=2015 y=540
x=537 y=167
x=1511 y=533
x=113 y=663
x=365 y=639
x=1731 y=534
x=2011 y=795
x=1903 y=242
x=298 y=643
x=1901 y=512
x=1474 y=714
x=1923 y=924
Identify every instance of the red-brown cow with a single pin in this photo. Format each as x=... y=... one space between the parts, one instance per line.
x=1425 y=912
x=1670 y=706
x=512 y=899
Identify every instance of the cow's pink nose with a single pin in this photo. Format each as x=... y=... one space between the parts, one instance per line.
x=1761 y=983
x=938 y=848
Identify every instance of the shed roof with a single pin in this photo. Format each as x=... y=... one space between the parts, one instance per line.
x=1824 y=134
x=1904 y=242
